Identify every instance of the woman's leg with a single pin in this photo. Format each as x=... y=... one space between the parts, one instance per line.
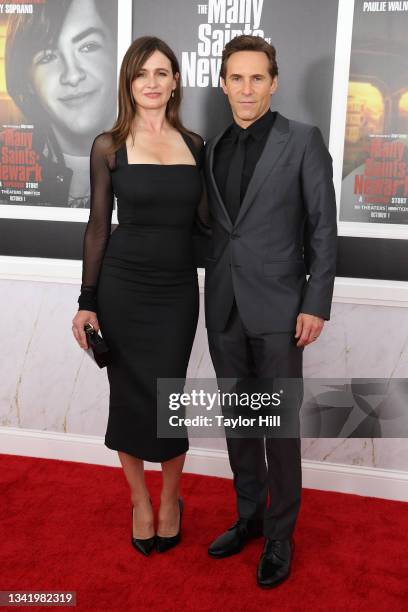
x=169 y=514
x=143 y=524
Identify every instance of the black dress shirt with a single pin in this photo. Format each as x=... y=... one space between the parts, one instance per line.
x=259 y=131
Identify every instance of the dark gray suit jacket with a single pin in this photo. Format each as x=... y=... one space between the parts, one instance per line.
x=286 y=227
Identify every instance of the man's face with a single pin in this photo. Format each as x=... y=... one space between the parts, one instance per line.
x=75 y=81
x=248 y=85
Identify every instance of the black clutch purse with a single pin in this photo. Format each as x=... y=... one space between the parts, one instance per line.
x=98 y=349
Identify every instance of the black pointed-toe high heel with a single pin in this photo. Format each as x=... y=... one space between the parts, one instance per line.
x=145 y=545
x=164 y=543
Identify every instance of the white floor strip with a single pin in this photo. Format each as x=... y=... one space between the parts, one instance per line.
x=367 y=481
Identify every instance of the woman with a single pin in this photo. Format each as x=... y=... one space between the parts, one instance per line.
x=142 y=291
x=61 y=73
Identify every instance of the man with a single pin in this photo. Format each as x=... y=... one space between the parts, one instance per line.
x=273 y=207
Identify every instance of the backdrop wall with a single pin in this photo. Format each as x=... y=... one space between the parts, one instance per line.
x=48 y=385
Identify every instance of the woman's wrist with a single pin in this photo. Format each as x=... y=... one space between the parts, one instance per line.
x=87 y=300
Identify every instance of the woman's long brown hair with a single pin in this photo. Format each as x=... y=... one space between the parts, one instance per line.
x=135 y=57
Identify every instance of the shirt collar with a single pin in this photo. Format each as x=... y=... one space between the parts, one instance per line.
x=258 y=128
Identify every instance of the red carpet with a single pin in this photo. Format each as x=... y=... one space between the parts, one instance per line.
x=66 y=526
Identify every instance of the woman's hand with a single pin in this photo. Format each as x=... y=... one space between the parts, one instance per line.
x=81 y=318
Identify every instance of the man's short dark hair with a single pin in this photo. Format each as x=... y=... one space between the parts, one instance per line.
x=249 y=43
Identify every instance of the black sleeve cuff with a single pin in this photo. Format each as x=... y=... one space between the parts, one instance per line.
x=87 y=301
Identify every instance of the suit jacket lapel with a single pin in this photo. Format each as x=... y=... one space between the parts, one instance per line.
x=226 y=219
x=274 y=146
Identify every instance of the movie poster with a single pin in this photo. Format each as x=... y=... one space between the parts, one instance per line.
x=59 y=64
x=374 y=187
x=303 y=33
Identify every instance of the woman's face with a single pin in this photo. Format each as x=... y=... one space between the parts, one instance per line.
x=75 y=81
x=153 y=84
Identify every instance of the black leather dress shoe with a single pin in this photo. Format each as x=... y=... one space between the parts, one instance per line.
x=233 y=541
x=143 y=545
x=164 y=543
x=275 y=562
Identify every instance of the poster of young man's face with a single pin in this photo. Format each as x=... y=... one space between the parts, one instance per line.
x=60 y=68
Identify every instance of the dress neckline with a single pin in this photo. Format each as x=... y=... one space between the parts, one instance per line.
x=124 y=146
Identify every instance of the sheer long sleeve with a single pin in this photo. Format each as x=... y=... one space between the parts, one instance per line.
x=98 y=229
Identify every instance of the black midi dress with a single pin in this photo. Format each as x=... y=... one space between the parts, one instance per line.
x=141 y=280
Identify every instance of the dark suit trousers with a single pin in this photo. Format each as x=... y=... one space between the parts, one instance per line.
x=236 y=352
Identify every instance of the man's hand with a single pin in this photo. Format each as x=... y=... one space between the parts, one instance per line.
x=308 y=328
